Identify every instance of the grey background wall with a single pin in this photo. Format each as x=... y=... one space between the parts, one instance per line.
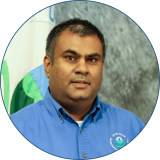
x=131 y=75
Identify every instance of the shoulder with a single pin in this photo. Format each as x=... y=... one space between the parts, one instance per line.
x=29 y=109
x=28 y=114
x=121 y=116
x=113 y=109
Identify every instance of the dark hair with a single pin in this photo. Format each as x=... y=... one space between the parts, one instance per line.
x=81 y=27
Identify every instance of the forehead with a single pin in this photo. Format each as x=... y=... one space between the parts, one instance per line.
x=69 y=40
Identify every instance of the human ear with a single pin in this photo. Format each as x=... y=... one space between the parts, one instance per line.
x=47 y=65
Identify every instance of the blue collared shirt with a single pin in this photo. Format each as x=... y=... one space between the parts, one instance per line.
x=49 y=127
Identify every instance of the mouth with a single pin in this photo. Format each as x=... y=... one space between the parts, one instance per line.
x=80 y=81
x=82 y=84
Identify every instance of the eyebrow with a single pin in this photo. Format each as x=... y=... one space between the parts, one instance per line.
x=76 y=54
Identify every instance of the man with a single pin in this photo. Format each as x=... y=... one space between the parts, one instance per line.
x=70 y=121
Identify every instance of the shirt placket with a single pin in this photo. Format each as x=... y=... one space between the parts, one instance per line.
x=83 y=143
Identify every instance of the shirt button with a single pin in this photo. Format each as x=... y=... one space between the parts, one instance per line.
x=64 y=113
x=81 y=129
x=60 y=118
x=84 y=155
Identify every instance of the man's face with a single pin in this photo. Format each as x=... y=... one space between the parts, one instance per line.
x=76 y=73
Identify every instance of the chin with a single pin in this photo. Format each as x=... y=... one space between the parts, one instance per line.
x=79 y=97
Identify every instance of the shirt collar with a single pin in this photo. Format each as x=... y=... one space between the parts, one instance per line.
x=56 y=109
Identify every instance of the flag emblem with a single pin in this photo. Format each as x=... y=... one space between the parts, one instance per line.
x=118 y=141
x=23 y=79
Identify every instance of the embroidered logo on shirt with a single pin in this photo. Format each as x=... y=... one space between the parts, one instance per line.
x=118 y=141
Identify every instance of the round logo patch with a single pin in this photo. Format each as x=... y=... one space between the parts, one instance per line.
x=118 y=141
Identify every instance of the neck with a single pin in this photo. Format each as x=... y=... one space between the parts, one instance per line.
x=77 y=109
x=78 y=112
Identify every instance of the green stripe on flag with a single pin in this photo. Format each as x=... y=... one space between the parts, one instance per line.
x=30 y=88
x=25 y=94
x=5 y=75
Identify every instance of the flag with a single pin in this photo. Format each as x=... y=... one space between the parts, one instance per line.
x=22 y=73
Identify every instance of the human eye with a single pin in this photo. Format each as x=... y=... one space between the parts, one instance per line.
x=92 y=60
x=70 y=58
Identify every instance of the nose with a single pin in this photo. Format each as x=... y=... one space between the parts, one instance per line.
x=81 y=67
